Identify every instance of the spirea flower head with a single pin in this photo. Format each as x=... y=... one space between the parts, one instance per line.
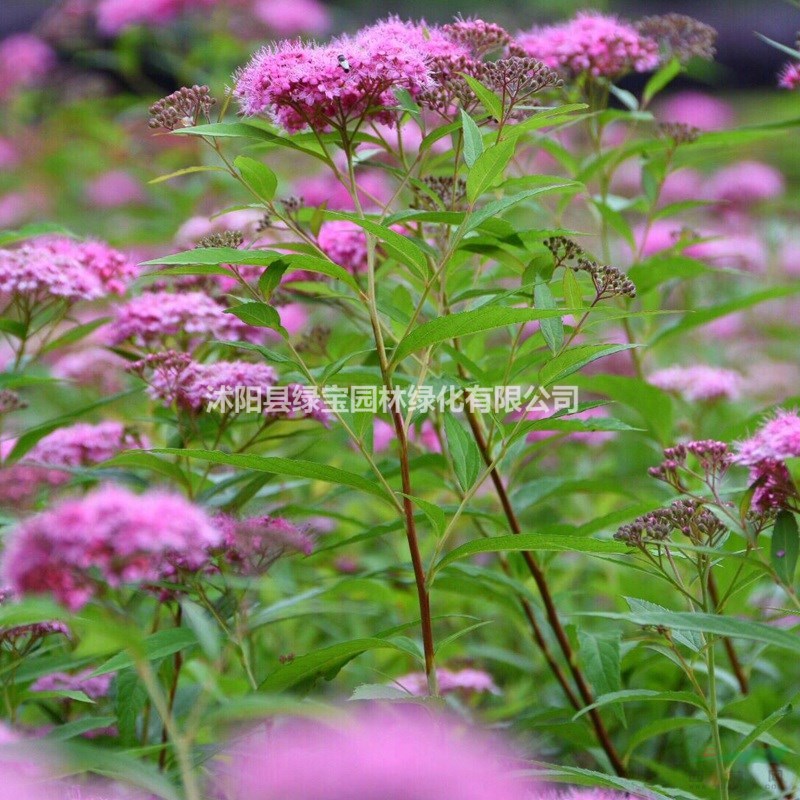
x=122 y=537
x=154 y=317
x=83 y=444
x=789 y=76
x=253 y=544
x=699 y=383
x=114 y=16
x=410 y=754
x=777 y=439
x=321 y=86
x=25 y=60
x=345 y=243
x=591 y=43
x=174 y=378
x=56 y=266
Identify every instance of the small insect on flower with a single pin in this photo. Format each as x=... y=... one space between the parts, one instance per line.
x=343 y=62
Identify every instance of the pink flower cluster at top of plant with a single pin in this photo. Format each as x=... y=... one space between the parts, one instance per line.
x=699 y=383
x=464 y=681
x=293 y=17
x=407 y=754
x=111 y=532
x=153 y=317
x=62 y=267
x=252 y=544
x=319 y=86
x=593 y=43
x=93 y=686
x=114 y=16
x=177 y=379
x=25 y=60
x=778 y=439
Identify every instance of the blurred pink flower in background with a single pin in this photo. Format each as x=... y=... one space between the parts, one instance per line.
x=697 y=109
x=699 y=383
x=92 y=367
x=114 y=16
x=197 y=227
x=745 y=251
x=405 y=754
x=289 y=18
x=9 y=154
x=114 y=189
x=15 y=208
x=728 y=327
x=25 y=61
x=374 y=187
x=464 y=681
x=790 y=256
x=681 y=185
x=593 y=438
x=744 y=183
x=382 y=435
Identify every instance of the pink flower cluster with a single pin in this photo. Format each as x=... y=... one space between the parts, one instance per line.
x=410 y=754
x=62 y=267
x=765 y=453
x=789 y=77
x=345 y=243
x=321 y=86
x=25 y=60
x=597 y=44
x=94 y=687
x=699 y=383
x=177 y=379
x=154 y=317
x=49 y=461
x=114 y=16
x=253 y=544
x=111 y=532
x=778 y=439
x=464 y=681
x=91 y=367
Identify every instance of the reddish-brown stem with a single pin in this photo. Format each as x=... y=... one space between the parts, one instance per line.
x=416 y=557
x=547 y=600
